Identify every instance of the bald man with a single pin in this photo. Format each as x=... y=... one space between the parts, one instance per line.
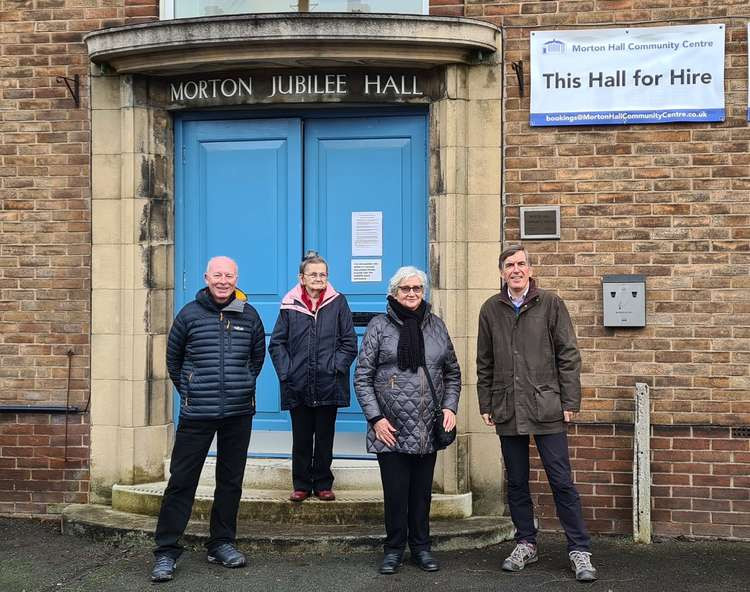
x=215 y=352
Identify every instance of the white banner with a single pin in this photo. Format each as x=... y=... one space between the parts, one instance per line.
x=625 y=76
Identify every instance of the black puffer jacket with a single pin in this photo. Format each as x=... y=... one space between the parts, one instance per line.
x=214 y=355
x=312 y=353
x=402 y=396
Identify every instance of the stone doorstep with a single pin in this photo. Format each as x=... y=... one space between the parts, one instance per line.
x=104 y=523
x=350 y=507
x=273 y=473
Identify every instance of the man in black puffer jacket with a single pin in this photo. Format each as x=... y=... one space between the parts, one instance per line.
x=215 y=352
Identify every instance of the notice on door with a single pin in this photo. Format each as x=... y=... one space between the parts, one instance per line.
x=367 y=270
x=367 y=235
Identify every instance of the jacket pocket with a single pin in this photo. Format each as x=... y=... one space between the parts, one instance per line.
x=548 y=404
x=503 y=408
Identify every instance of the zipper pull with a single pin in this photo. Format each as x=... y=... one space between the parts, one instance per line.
x=393 y=380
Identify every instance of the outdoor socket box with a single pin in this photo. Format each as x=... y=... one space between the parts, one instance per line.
x=624 y=300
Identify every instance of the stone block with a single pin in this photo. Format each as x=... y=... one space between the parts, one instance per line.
x=105 y=92
x=105 y=221
x=448 y=265
x=486 y=474
x=448 y=123
x=105 y=357
x=106 y=264
x=484 y=123
x=105 y=402
x=104 y=461
x=485 y=82
x=106 y=312
x=456 y=78
x=105 y=131
x=476 y=298
x=105 y=176
x=483 y=272
x=484 y=217
x=159 y=311
x=160 y=401
x=483 y=171
x=451 y=307
x=136 y=130
x=450 y=217
x=448 y=171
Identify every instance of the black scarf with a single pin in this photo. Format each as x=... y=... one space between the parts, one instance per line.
x=410 y=350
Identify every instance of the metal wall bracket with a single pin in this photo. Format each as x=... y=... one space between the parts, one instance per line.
x=75 y=90
x=518 y=69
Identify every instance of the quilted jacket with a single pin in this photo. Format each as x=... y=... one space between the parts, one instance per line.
x=402 y=396
x=313 y=352
x=214 y=355
x=528 y=364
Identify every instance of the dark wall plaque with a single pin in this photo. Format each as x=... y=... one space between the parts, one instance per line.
x=540 y=222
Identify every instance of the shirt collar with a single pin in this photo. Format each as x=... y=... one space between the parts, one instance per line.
x=518 y=301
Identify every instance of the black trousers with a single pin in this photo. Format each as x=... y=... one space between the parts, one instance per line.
x=312 y=447
x=407 y=494
x=192 y=442
x=553 y=450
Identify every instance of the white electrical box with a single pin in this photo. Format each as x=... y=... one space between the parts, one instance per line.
x=624 y=300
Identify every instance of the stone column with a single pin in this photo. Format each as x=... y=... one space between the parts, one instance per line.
x=131 y=284
x=465 y=231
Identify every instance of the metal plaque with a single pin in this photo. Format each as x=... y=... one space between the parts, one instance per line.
x=540 y=222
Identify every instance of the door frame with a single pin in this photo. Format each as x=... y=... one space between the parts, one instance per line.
x=302 y=112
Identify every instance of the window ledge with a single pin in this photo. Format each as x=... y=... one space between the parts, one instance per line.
x=284 y=40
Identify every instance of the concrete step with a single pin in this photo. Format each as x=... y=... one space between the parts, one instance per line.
x=273 y=473
x=104 y=523
x=273 y=505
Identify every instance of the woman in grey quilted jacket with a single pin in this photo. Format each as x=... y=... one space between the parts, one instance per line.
x=394 y=394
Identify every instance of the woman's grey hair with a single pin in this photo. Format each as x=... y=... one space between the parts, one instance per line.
x=406 y=272
x=309 y=258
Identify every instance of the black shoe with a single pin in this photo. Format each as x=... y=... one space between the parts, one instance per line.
x=425 y=561
x=163 y=570
x=227 y=555
x=391 y=563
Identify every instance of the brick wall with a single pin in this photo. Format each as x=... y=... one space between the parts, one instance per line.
x=45 y=244
x=671 y=202
x=700 y=480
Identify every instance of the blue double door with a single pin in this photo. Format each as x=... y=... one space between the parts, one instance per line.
x=264 y=191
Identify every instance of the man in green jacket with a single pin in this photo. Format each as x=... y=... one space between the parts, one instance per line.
x=528 y=382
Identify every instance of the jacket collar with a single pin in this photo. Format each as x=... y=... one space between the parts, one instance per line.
x=530 y=295
x=203 y=297
x=293 y=299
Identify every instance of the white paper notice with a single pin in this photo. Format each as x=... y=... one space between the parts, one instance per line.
x=367 y=270
x=367 y=234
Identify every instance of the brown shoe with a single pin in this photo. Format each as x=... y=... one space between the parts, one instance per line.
x=326 y=495
x=299 y=495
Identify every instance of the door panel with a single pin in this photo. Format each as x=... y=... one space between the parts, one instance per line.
x=239 y=192
x=365 y=165
x=242 y=198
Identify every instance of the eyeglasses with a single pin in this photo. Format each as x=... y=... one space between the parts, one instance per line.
x=317 y=276
x=226 y=276
x=406 y=289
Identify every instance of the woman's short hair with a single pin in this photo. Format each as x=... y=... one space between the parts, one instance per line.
x=310 y=258
x=406 y=272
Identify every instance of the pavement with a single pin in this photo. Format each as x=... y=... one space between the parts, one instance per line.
x=34 y=556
